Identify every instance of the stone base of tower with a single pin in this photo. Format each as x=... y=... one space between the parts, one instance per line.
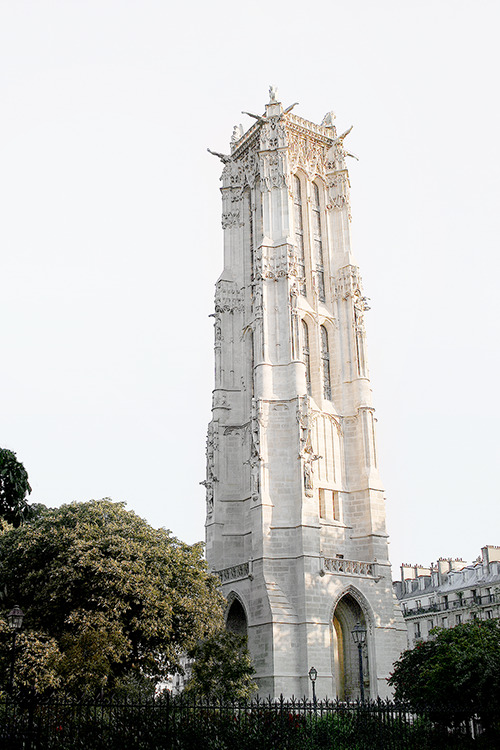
x=285 y=641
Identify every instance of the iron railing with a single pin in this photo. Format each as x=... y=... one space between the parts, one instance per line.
x=181 y=723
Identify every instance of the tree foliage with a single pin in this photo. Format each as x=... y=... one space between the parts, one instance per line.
x=14 y=487
x=457 y=671
x=222 y=668
x=118 y=597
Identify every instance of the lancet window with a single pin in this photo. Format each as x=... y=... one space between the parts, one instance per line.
x=249 y=230
x=306 y=355
x=299 y=234
x=317 y=243
x=325 y=363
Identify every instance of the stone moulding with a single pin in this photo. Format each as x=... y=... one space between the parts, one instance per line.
x=348 y=567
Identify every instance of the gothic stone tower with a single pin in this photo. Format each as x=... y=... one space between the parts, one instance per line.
x=295 y=524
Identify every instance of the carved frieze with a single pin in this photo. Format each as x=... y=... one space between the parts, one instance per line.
x=228 y=297
x=348 y=567
x=306 y=152
x=234 y=572
x=275 y=263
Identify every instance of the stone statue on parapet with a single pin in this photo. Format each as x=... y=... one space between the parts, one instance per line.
x=273 y=93
x=237 y=133
x=328 y=119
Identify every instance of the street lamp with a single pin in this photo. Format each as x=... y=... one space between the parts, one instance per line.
x=359 y=637
x=313 y=673
x=15 y=620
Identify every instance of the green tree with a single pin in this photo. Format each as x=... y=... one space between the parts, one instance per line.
x=36 y=663
x=222 y=668
x=456 y=673
x=118 y=597
x=14 y=487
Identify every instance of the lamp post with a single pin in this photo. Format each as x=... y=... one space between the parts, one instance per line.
x=15 y=620
x=359 y=637
x=313 y=673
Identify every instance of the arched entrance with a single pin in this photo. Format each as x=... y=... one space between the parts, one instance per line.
x=236 y=619
x=345 y=652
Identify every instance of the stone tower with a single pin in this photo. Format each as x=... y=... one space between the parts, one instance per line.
x=295 y=523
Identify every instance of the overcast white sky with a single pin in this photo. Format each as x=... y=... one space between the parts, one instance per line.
x=111 y=242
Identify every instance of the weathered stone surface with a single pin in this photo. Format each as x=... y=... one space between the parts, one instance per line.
x=295 y=506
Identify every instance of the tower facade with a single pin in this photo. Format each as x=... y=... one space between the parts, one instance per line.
x=295 y=524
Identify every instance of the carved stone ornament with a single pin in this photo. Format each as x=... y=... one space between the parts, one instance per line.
x=217 y=330
x=348 y=567
x=257 y=298
x=228 y=297
x=219 y=400
x=303 y=418
x=230 y=219
x=255 y=475
x=338 y=190
x=306 y=152
x=209 y=497
x=237 y=133
x=234 y=572
x=328 y=120
x=347 y=282
x=308 y=460
x=335 y=156
x=360 y=307
x=241 y=171
x=273 y=135
x=274 y=263
x=273 y=172
x=255 y=426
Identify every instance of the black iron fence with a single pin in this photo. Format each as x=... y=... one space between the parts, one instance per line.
x=179 y=723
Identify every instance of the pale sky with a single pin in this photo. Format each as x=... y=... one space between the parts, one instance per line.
x=111 y=240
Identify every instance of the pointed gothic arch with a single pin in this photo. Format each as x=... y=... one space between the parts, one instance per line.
x=350 y=607
x=236 y=615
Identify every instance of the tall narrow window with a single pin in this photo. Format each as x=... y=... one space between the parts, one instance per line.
x=325 y=364
x=249 y=232
x=299 y=234
x=305 y=354
x=317 y=243
x=252 y=363
x=250 y=227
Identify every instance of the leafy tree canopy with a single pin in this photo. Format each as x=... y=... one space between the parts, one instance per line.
x=117 y=597
x=222 y=669
x=458 y=670
x=14 y=486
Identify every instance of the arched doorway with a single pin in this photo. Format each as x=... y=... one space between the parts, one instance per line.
x=236 y=619
x=345 y=652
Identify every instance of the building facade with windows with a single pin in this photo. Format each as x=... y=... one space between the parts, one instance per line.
x=295 y=524
x=449 y=593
